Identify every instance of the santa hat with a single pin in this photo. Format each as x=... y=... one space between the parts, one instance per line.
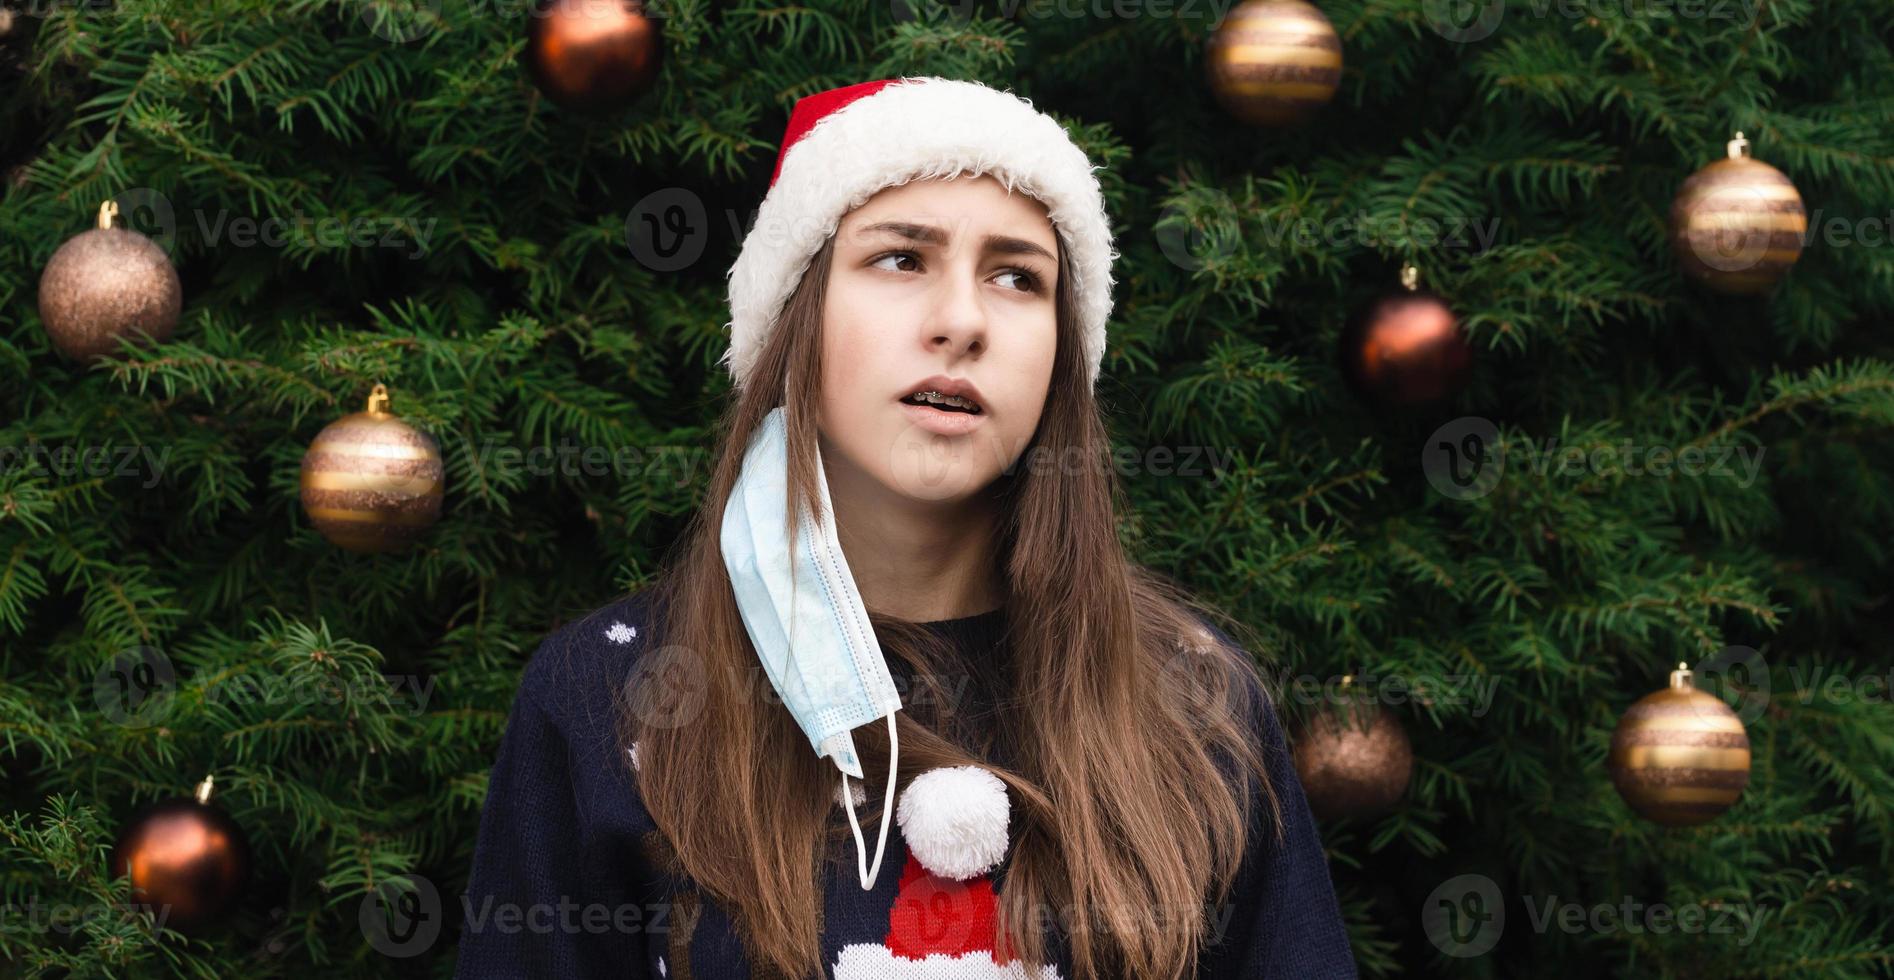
x=844 y=145
x=941 y=924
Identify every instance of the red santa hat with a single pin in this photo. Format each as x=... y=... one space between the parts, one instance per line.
x=844 y=145
x=941 y=925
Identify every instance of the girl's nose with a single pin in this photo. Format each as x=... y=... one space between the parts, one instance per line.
x=959 y=323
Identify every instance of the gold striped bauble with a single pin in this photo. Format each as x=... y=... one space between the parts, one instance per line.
x=371 y=482
x=1737 y=225
x=1274 y=62
x=1680 y=757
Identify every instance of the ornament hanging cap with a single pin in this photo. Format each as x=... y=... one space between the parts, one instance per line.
x=1739 y=147
x=1680 y=679
x=204 y=789
x=1410 y=277
x=107 y=211
x=1356 y=705
x=378 y=399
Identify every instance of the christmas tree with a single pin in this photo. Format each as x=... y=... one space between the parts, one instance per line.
x=1640 y=469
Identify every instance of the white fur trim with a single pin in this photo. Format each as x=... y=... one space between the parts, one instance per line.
x=913 y=129
x=863 y=962
x=954 y=820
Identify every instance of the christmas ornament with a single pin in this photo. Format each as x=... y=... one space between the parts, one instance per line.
x=371 y=482
x=1405 y=348
x=1680 y=756
x=108 y=283
x=187 y=860
x=1353 y=760
x=1737 y=224
x=1274 y=62
x=593 y=55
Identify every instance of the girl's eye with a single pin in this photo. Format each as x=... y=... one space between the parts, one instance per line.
x=910 y=256
x=1028 y=282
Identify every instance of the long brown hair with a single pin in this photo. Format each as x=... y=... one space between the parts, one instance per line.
x=1135 y=764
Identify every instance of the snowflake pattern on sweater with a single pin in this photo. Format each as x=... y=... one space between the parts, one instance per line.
x=564 y=833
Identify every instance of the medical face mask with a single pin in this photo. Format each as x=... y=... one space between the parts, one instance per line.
x=806 y=619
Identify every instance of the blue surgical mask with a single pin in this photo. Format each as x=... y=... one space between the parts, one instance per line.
x=806 y=618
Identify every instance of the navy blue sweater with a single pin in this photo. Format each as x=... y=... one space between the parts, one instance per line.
x=564 y=883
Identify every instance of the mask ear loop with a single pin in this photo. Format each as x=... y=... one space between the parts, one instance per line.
x=867 y=873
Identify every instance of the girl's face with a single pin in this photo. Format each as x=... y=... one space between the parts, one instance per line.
x=938 y=284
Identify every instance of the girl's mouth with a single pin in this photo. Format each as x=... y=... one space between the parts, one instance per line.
x=942 y=420
x=945 y=403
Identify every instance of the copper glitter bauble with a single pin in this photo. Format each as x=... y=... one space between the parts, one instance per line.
x=108 y=283
x=1353 y=760
x=1680 y=757
x=593 y=54
x=371 y=482
x=1405 y=348
x=1274 y=62
x=1737 y=225
x=188 y=860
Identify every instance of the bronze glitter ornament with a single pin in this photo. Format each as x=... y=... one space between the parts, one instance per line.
x=1680 y=756
x=108 y=283
x=593 y=55
x=371 y=482
x=1274 y=62
x=188 y=861
x=1737 y=225
x=1406 y=348
x=1354 y=760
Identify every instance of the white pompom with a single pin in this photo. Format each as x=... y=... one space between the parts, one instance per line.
x=954 y=820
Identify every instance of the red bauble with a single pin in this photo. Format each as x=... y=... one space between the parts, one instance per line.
x=188 y=860
x=1406 y=349
x=593 y=55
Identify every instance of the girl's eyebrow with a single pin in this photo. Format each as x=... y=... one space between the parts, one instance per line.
x=932 y=235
